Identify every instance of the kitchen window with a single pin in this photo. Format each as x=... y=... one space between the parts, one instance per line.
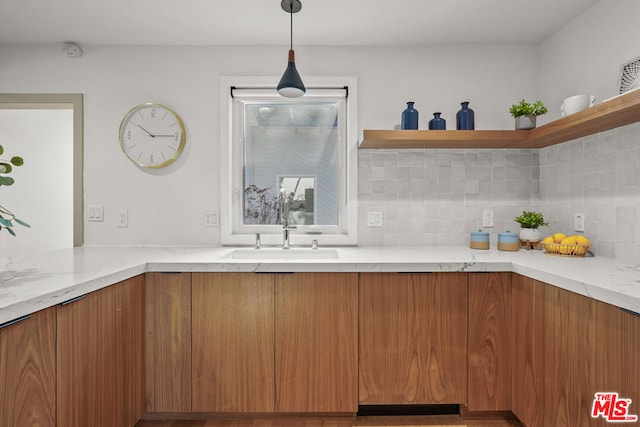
x=305 y=147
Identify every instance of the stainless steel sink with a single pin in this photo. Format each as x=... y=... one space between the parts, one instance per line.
x=283 y=254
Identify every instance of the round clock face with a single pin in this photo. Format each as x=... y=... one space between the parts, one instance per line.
x=152 y=135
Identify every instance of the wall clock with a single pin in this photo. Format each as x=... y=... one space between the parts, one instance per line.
x=152 y=135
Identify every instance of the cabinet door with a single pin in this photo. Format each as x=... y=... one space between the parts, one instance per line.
x=101 y=357
x=489 y=342
x=413 y=338
x=569 y=363
x=168 y=352
x=232 y=338
x=591 y=347
x=316 y=342
x=527 y=350
x=27 y=370
x=617 y=353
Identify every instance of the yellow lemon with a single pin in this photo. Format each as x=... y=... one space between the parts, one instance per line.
x=558 y=237
x=582 y=240
x=548 y=239
x=567 y=243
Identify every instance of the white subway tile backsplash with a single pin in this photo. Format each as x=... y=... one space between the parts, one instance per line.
x=601 y=181
x=436 y=197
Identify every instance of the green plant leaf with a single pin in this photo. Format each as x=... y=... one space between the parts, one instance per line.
x=17 y=161
x=530 y=219
x=22 y=223
x=13 y=233
x=524 y=108
x=1 y=149
x=5 y=168
x=5 y=222
x=6 y=180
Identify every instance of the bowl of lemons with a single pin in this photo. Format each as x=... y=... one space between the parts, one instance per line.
x=563 y=245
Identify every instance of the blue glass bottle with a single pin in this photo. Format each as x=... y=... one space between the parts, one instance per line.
x=465 y=117
x=410 y=117
x=437 y=123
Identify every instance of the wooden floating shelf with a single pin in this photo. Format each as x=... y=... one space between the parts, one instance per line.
x=619 y=111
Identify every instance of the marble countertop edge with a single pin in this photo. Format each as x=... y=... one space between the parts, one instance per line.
x=28 y=285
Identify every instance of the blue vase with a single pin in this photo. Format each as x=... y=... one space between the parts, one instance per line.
x=465 y=117
x=410 y=117
x=437 y=123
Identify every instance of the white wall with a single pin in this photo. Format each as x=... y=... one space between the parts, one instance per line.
x=166 y=206
x=42 y=194
x=598 y=175
x=585 y=56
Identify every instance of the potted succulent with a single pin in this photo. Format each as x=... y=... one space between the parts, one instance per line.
x=6 y=216
x=526 y=113
x=529 y=222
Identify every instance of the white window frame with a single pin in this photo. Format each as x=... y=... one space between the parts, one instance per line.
x=231 y=173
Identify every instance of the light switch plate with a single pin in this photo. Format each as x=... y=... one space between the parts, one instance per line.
x=487 y=218
x=375 y=219
x=123 y=218
x=578 y=220
x=95 y=213
x=210 y=219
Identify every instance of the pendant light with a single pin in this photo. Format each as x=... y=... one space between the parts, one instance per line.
x=291 y=85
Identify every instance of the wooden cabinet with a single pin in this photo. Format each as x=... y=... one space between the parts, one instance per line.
x=28 y=371
x=565 y=348
x=168 y=343
x=569 y=365
x=591 y=347
x=283 y=342
x=316 y=342
x=489 y=325
x=527 y=350
x=413 y=338
x=101 y=357
x=617 y=353
x=233 y=336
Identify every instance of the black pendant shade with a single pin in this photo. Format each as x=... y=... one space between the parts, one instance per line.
x=291 y=85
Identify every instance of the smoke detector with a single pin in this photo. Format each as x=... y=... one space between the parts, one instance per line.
x=72 y=50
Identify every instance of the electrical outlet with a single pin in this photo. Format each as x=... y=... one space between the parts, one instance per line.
x=375 y=219
x=487 y=218
x=96 y=213
x=123 y=218
x=578 y=220
x=210 y=219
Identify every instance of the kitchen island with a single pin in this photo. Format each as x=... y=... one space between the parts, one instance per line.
x=183 y=332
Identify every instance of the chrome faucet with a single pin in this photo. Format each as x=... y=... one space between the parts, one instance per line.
x=284 y=206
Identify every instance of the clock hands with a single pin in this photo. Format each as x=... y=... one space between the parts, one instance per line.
x=155 y=136
x=150 y=134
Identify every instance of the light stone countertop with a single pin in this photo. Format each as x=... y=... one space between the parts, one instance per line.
x=31 y=284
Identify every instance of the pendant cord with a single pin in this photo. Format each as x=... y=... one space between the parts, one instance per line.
x=291 y=25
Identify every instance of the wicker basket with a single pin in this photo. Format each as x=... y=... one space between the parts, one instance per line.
x=566 y=250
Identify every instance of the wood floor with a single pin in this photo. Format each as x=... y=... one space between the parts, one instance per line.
x=408 y=421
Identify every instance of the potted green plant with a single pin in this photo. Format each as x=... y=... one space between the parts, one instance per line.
x=6 y=216
x=529 y=222
x=525 y=113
